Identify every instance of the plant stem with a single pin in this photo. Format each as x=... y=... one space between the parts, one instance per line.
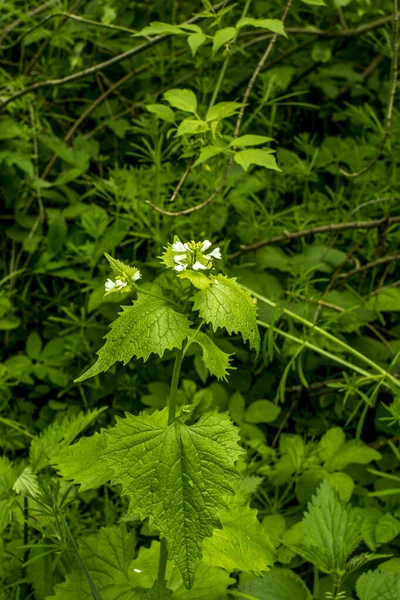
x=162 y=563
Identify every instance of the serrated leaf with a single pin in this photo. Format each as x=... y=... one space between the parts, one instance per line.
x=226 y=304
x=273 y=25
x=242 y=544
x=262 y=158
x=107 y=556
x=250 y=140
x=331 y=531
x=177 y=476
x=222 y=110
x=58 y=435
x=280 y=584
x=207 y=153
x=149 y=326
x=162 y=112
x=376 y=585
x=196 y=40
x=182 y=99
x=222 y=37
x=82 y=464
x=198 y=279
x=215 y=360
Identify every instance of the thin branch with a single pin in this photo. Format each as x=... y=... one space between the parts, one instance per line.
x=389 y=116
x=100 y=66
x=313 y=231
x=31 y=13
x=182 y=181
x=246 y=95
x=354 y=32
x=375 y=263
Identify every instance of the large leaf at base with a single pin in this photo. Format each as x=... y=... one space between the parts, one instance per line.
x=177 y=475
x=280 y=584
x=107 y=556
x=227 y=304
x=242 y=544
x=331 y=531
x=378 y=586
x=150 y=325
x=7 y=478
x=215 y=360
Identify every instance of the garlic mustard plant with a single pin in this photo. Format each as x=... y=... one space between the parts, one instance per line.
x=178 y=470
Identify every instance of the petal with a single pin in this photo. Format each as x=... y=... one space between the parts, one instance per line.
x=121 y=284
x=206 y=245
x=180 y=267
x=110 y=285
x=197 y=265
x=216 y=253
x=179 y=258
x=178 y=247
x=136 y=276
x=186 y=246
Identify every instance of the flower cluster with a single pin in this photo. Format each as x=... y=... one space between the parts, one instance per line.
x=121 y=282
x=191 y=255
x=124 y=276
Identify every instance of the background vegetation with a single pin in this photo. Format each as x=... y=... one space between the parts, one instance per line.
x=90 y=164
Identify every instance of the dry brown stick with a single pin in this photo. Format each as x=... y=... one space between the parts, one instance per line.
x=382 y=289
x=20 y=21
x=355 y=32
x=375 y=263
x=382 y=443
x=313 y=231
x=246 y=95
x=100 y=66
x=182 y=181
x=389 y=115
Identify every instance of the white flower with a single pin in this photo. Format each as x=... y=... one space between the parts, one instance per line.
x=216 y=253
x=110 y=285
x=137 y=275
x=179 y=247
x=180 y=267
x=206 y=245
x=197 y=265
x=121 y=284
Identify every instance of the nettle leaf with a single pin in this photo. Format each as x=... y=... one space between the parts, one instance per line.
x=222 y=110
x=331 y=531
x=280 y=584
x=242 y=544
x=262 y=158
x=58 y=435
x=250 y=140
x=196 y=40
x=215 y=360
x=149 y=326
x=177 y=475
x=222 y=37
x=82 y=464
x=107 y=556
x=182 y=99
x=226 y=304
x=376 y=585
x=207 y=153
x=162 y=112
x=273 y=25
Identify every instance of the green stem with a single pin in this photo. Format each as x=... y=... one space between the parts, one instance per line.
x=226 y=61
x=162 y=563
x=330 y=337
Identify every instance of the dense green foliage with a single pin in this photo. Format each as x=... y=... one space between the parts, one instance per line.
x=248 y=123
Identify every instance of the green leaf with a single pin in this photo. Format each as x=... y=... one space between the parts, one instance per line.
x=94 y=221
x=237 y=406
x=385 y=301
x=198 y=279
x=250 y=140
x=182 y=99
x=57 y=233
x=273 y=25
x=263 y=158
x=159 y=28
x=353 y=451
x=331 y=531
x=215 y=360
x=223 y=36
x=280 y=584
x=176 y=475
x=242 y=544
x=222 y=110
x=33 y=345
x=191 y=127
x=195 y=41
x=107 y=556
x=314 y=2
x=149 y=326
x=226 y=304
x=82 y=464
x=387 y=529
x=330 y=443
x=7 y=478
x=57 y=436
x=321 y=52
x=162 y=112
x=262 y=411
x=207 y=153
x=376 y=585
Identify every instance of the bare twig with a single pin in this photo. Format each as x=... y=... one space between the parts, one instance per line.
x=246 y=96
x=389 y=115
x=375 y=263
x=313 y=231
x=100 y=66
x=21 y=21
x=182 y=181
